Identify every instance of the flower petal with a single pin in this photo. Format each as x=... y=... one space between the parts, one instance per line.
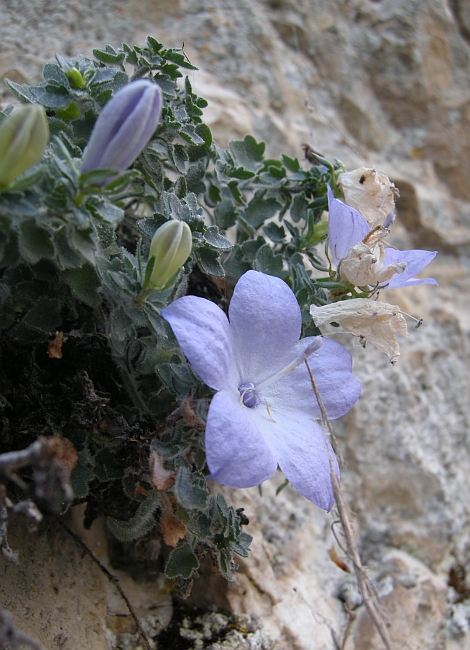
x=415 y=260
x=265 y=322
x=331 y=367
x=346 y=227
x=203 y=333
x=301 y=449
x=236 y=451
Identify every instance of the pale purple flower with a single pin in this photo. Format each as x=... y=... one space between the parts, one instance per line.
x=263 y=414
x=124 y=127
x=347 y=227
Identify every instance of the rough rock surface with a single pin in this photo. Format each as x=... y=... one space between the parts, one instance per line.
x=379 y=82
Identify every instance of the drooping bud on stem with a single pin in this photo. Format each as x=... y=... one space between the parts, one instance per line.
x=23 y=137
x=169 y=250
x=123 y=128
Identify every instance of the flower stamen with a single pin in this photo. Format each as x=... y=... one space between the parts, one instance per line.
x=269 y=411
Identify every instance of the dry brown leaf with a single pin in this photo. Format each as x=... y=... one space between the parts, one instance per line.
x=337 y=560
x=161 y=478
x=54 y=349
x=172 y=528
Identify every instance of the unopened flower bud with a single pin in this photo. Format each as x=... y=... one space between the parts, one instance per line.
x=23 y=137
x=124 y=127
x=170 y=248
x=75 y=78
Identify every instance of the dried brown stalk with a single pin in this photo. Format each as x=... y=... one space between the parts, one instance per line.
x=112 y=578
x=365 y=587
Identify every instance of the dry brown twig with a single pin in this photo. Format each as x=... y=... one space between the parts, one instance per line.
x=365 y=587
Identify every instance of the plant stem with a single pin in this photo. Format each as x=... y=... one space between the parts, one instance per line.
x=366 y=589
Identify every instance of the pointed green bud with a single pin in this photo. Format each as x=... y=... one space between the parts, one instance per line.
x=23 y=137
x=170 y=248
x=75 y=78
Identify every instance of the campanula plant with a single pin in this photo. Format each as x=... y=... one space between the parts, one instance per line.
x=123 y=277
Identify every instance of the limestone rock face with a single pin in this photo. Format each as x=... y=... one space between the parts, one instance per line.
x=383 y=83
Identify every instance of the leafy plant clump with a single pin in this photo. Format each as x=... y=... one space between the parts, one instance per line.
x=74 y=282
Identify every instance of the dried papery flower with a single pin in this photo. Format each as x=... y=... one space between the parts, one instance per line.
x=24 y=135
x=124 y=127
x=373 y=322
x=370 y=192
x=364 y=262
x=359 y=254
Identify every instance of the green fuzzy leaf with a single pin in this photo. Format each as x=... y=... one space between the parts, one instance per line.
x=22 y=91
x=194 y=179
x=292 y=164
x=241 y=173
x=225 y=563
x=85 y=283
x=267 y=262
x=68 y=114
x=208 y=259
x=139 y=524
x=180 y=157
x=191 y=489
x=252 y=246
x=81 y=476
x=237 y=264
x=214 y=238
x=52 y=72
x=205 y=133
x=35 y=242
x=182 y=562
x=247 y=152
x=58 y=98
x=102 y=208
x=298 y=209
x=189 y=134
x=213 y=196
x=225 y=214
x=274 y=232
x=109 y=56
x=122 y=326
x=106 y=466
x=19 y=203
x=259 y=209
x=235 y=190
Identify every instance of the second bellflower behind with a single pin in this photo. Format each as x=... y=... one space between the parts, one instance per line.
x=124 y=127
x=263 y=414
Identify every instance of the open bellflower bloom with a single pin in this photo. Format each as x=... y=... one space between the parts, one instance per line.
x=364 y=260
x=263 y=414
x=124 y=127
